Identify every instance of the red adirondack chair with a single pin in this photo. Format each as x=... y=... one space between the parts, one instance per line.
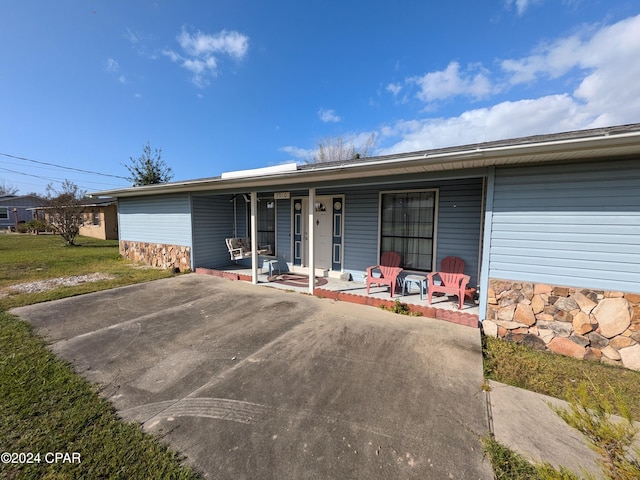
x=453 y=281
x=389 y=270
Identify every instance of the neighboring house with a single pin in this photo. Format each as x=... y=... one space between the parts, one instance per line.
x=100 y=218
x=15 y=209
x=548 y=226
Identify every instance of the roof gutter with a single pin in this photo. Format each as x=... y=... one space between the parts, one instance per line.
x=579 y=148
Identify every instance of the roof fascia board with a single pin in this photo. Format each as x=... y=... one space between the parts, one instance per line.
x=478 y=157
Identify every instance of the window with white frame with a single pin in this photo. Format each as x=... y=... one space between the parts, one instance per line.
x=407 y=226
x=4 y=213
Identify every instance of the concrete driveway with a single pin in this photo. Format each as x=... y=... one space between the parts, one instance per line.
x=251 y=382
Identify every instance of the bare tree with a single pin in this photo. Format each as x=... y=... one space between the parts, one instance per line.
x=336 y=149
x=64 y=210
x=148 y=168
x=7 y=188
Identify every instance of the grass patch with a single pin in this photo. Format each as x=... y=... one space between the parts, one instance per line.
x=554 y=375
x=594 y=390
x=508 y=465
x=27 y=258
x=401 y=309
x=44 y=405
x=47 y=408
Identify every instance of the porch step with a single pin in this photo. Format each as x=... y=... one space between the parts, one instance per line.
x=320 y=272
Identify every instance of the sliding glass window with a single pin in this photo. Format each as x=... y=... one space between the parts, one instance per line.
x=407 y=227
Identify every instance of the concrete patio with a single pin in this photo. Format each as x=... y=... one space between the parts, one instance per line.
x=354 y=291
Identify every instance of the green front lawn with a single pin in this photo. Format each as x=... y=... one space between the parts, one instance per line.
x=28 y=258
x=45 y=408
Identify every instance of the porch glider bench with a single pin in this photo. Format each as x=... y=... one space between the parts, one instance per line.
x=240 y=248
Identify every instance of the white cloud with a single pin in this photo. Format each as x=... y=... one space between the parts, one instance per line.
x=299 y=154
x=132 y=36
x=173 y=56
x=600 y=66
x=394 y=88
x=328 y=115
x=201 y=44
x=451 y=82
x=521 y=5
x=552 y=61
x=112 y=65
x=553 y=113
x=201 y=52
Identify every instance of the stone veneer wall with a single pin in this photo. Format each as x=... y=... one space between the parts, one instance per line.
x=157 y=254
x=583 y=323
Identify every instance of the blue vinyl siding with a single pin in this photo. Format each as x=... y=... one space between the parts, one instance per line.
x=458 y=229
x=213 y=223
x=459 y=224
x=156 y=219
x=360 y=231
x=574 y=225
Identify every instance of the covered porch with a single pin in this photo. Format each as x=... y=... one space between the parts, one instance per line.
x=355 y=291
x=337 y=231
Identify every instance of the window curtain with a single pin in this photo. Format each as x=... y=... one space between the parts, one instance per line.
x=407 y=227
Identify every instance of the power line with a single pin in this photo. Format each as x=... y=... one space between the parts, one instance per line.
x=61 y=166
x=54 y=180
x=29 y=175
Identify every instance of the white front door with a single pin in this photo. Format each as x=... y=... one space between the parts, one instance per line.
x=322 y=232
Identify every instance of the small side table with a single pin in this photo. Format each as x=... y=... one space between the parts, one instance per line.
x=272 y=264
x=419 y=280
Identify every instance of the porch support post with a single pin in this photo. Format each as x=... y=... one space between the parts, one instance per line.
x=486 y=242
x=312 y=226
x=254 y=237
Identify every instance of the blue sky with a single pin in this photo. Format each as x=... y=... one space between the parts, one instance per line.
x=235 y=84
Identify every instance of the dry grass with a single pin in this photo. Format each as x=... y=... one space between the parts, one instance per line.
x=555 y=375
x=28 y=258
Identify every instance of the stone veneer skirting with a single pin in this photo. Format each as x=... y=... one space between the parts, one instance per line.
x=578 y=322
x=157 y=254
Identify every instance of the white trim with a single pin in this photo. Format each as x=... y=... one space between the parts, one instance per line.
x=486 y=243
x=311 y=241
x=258 y=172
x=254 y=237
x=339 y=247
x=342 y=232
